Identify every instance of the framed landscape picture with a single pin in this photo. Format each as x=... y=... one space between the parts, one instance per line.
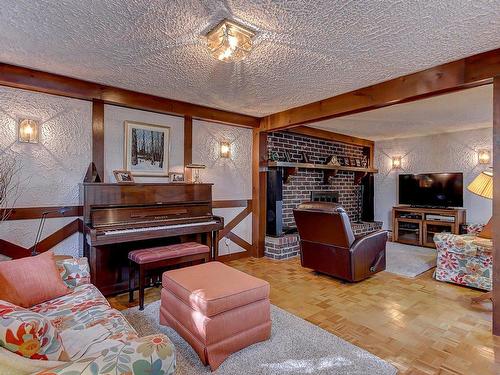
x=146 y=149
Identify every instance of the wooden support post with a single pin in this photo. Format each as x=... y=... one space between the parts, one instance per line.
x=259 y=159
x=496 y=206
x=98 y=136
x=188 y=146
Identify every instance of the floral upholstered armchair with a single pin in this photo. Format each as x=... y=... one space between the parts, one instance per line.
x=78 y=333
x=464 y=259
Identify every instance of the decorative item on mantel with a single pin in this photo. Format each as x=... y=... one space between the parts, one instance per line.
x=196 y=172
x=333 y=161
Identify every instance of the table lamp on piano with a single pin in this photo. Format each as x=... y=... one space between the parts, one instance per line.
x=196 y=172
x=61 y=211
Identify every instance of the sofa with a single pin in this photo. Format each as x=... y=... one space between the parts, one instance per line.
x=96 y=339
x=464 y=259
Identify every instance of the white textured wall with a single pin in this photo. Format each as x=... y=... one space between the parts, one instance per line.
x=52 y=169
x=232 y=177
x=448 y=152
x=114 y=118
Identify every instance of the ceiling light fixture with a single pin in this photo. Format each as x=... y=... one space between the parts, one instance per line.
x=229 y=41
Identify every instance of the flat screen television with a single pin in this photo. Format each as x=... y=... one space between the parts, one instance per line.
x=431 y=189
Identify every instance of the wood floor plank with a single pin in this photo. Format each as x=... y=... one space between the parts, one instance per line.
x=422 y=326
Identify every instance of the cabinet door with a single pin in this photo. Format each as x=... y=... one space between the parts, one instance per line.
x=409 y=231
x=433 y=227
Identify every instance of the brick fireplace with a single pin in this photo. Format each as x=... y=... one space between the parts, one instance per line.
x=285 y=194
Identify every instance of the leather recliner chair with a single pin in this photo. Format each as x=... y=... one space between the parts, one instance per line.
x=328 y=244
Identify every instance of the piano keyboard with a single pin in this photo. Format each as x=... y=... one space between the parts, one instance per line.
x=147 y=229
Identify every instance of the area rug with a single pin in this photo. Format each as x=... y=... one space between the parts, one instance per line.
x=296 y=347
x=410 y=261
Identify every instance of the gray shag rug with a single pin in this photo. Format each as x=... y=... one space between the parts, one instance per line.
x=407 y=260
x=295 y=347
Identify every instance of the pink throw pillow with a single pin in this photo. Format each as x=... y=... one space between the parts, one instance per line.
x=32 y=280
x=29 y=334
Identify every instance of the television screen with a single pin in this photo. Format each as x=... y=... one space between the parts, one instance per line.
x=431 y=189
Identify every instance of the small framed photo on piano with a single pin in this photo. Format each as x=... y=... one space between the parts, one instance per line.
x=176 y=177
x=122 y=176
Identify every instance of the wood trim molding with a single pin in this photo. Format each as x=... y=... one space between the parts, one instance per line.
x=240 y=242
x=233 y=256
x=259 y=191
x=55 y=84
x=331 y=136
x=15 y=251
x=98 y=136
x=496 y=206
x=469 y=72
x=238 y=219
x=29 y=213
x=188 y=146
x=59 y=235
x=12 y=250
x=231 y=203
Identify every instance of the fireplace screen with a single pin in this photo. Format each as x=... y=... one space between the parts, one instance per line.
x=325 y=196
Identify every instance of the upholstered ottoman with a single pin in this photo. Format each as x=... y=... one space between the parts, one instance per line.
x=217 y=309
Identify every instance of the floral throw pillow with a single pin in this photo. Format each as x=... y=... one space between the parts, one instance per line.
x=29 y=334
x=74 y=272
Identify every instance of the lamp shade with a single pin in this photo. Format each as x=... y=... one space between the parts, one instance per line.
x=482 y=185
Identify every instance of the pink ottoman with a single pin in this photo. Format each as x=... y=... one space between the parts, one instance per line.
x=217 y=309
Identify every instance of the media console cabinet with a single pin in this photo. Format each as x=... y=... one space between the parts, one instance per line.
x=417 y=226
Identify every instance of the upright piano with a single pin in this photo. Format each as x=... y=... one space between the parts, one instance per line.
x=119 y=218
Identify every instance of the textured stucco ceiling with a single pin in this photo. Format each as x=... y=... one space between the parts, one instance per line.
x=304 y=50
x=462 y=110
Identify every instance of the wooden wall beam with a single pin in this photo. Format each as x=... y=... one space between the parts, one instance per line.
x=259 y=193
x=27 y=213
x=231 y=203
x=496 y=206
x=188 y=146
x=98 y=136
x=55 y=84
x=457 y=75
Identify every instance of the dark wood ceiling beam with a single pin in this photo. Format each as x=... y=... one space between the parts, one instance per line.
x=472 y=71
x=331 y=136
x=49 y=83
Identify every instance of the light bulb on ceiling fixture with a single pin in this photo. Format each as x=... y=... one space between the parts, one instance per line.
x=229 y=41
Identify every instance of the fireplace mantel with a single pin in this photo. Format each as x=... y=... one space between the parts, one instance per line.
x=291 y=168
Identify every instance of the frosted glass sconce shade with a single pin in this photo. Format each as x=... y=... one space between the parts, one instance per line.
x=28 y=131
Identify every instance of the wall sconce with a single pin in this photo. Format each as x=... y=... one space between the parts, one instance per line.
x=484 y=156
x=396 y=162
x=28 y=131
x=225 y=150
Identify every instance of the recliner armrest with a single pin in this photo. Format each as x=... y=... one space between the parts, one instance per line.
x=376 y=239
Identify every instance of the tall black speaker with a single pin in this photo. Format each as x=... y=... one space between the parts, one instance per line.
x=274 y=214
x=368 y=212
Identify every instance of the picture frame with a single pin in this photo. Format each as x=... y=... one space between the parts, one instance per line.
x=358 y=162
x=176 y=177
x=347 y=162
x=364 y=161
x=123 y=176
x=146 y=149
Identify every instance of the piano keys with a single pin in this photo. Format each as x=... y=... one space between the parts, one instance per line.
x=119 y=218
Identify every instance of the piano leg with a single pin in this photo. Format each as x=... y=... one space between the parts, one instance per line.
x=215 y=245
x=142 y=276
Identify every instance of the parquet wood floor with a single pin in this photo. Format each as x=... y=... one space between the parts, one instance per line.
x=420 y=325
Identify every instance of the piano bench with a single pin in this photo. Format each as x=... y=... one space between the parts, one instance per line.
x=160 y=258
